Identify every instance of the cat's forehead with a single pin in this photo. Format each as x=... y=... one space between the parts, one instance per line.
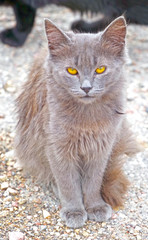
x=85 y=40
x=84 y=49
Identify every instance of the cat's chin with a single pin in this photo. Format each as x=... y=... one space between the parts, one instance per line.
x=87 y=99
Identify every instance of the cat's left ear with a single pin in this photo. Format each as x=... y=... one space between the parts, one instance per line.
x=56 y=37
x=113 y=37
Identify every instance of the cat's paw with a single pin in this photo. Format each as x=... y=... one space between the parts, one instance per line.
x=74 y=218
x=102 y=212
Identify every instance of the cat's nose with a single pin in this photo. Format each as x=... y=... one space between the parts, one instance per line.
x=86 y=89
x=86 y=86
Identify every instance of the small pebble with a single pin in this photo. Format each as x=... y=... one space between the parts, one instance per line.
x=22 y=201
x=138 y=237
x=3 y=214
x=3 y=177
x=46 y=214
x=17 y=166
x=16 y=236
x=7 y=199
x=103 y=224
x=4 y=185
x=12 y=191
x=137 y=228
x=15 y=204
x=2 y=116
x=85 y=234
x=9 y=87
x=6 y=193
x=9 y=154
x=43 y=227
x=35 y=229
x=36 y=188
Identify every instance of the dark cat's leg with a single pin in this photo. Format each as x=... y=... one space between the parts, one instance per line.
x=2 y=2
x=69 y=190
x=95 y=206
x=25 y=16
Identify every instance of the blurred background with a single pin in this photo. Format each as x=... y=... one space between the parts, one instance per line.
x=15 y=63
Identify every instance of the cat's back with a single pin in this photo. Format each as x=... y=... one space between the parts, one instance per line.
x=33 y=115
x=31 y=103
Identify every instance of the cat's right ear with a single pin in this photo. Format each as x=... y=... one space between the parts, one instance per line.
x=56 y=37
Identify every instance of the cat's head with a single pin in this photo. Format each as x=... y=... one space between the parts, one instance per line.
x=87 y=65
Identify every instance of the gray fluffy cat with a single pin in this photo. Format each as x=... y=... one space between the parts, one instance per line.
x=72 y=131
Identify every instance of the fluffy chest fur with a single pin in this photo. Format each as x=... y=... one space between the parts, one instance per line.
x=82 y=131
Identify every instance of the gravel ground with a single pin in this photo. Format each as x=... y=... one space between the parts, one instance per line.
x=28 y=208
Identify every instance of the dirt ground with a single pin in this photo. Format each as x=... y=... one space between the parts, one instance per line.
x=32 y=209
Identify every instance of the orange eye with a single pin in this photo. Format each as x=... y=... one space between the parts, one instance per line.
x=72 y=71
x=100 y=69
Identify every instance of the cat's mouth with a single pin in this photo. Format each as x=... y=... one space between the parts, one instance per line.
x=94 y=94
x=87 y=96
x=87 y=99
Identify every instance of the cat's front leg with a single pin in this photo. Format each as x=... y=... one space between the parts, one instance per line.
x=97 y=209
x=68 y=182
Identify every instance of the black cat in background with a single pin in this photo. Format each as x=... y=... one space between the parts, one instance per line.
x=135 y=11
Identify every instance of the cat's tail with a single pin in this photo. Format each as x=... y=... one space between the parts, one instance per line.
x=115 y=183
